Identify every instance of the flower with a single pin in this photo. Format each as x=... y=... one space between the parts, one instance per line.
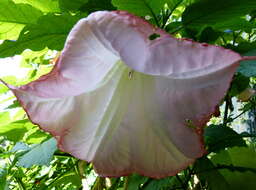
x=129 y=97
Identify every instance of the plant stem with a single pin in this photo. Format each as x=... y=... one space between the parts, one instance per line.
x=20 y=183
x=126 y=181
x=245 y=58
x=226 y=111
x=181 y=182
x=99 y=183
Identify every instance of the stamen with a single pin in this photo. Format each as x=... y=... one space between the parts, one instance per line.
x=130 y=74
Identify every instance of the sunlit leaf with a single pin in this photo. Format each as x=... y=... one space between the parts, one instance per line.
x=50 y=31
x=43 y=5
x=14 y=131
x=4 y=118
x=36 y=137
x=3 y=89
x=13 y=18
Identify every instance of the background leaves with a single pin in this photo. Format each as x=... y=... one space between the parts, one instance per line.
x=219 y=15
x=40 y=35
x=13 y=18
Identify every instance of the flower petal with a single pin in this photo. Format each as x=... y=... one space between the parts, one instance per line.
x=130 y=37
x=143 y=114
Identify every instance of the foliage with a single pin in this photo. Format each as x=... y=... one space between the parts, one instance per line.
x=35 y=29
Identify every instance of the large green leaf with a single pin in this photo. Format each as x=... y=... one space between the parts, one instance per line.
x=20 y=147
x=36 y=136
x=97 y=5
x=248 y=68
x=135 y=181
x=43 y=5
x=15 y=131
x=217 y=14
x=13 y=18
x=163 y=184
x=242 y=162
x=172 y=4
x=206 y=173
x=87 y=6
x=68 y=5
x=239 y=84
x=140 y=7
x=50 y=31
x=220 y=137
x=40 y=154
x=70 y=176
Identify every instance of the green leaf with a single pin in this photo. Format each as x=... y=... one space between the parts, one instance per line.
x=135 y=181
x=220 y=137
x=208 y=35
x=3 y=88
x=239 y=84
x=245 y=47
x=74 y=5
x=173 y=3
x=10 y=80
x=70 y=177
x=206 y=173
x=43 y=5
x=165 y=183
x=140 y=7
x=15 y=104
x=40 y=154
x=217 y=14
x=238 y=157
x=13 y=18
x=30 y=58
x=4 y=118
x=13 y=131
x=36 y=137
x=50 y=31
x=3 y=179
x=20 y=146
x=248 y=68
x=97 y=5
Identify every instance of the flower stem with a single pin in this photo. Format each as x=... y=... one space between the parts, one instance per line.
x=245 y=58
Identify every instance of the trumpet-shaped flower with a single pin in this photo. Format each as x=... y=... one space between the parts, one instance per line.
x=129 y=97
